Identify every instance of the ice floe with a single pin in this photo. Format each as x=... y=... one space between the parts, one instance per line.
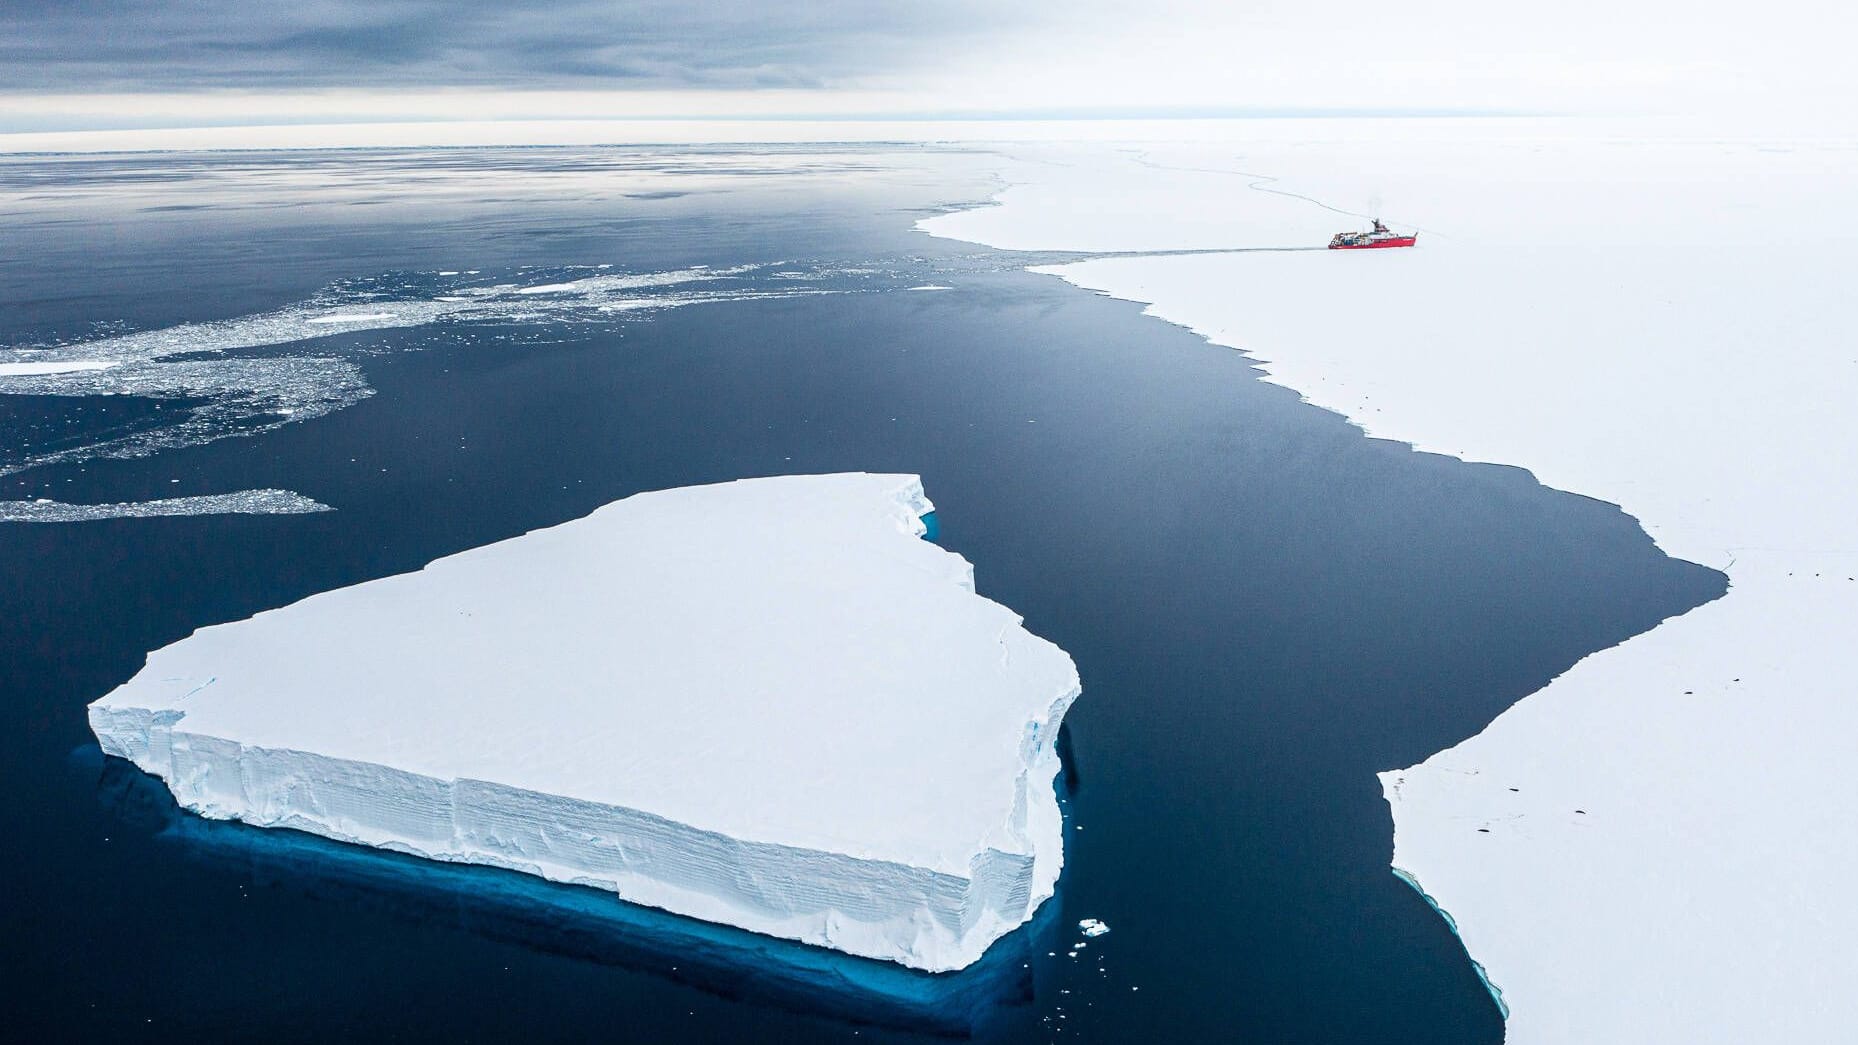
x=69 y=366
x=352 y=318
x=767 y=703
x=231 y=389
x=245 y=502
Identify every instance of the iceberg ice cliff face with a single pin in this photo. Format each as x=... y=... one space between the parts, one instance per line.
x=765 y=703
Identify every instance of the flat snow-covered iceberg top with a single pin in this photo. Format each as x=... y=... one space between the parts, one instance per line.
x=765 y=703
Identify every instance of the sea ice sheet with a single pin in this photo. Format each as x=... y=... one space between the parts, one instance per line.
x=765 y=703
x=1657 y=846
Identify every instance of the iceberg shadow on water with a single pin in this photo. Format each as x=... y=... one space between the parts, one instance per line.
x=588 y=924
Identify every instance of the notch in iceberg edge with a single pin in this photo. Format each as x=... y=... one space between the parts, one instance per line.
x=897 y=804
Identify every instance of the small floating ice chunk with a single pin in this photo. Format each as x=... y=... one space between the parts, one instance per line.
x=70 y=366
x=764 y=703
x=932 y=286
x=1093 y=927
x=352 y=317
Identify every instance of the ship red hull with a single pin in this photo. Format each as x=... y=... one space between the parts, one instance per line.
x=1397 y=241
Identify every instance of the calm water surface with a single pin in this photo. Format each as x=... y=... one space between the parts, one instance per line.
x=1266 y=607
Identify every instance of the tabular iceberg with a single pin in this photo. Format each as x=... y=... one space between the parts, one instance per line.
x=764 y=703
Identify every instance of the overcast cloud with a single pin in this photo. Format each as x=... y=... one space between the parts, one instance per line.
x=73 y=64
x=177 y=45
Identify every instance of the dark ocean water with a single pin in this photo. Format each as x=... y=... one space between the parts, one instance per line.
x=1266 y=607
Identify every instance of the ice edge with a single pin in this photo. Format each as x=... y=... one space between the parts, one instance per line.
x=1495 y=992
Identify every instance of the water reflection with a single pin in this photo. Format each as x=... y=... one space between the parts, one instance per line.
x=585 y=923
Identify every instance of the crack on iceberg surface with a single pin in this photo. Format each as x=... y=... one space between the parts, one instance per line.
x=245 y=502
x=232 y=394
x=764 y=703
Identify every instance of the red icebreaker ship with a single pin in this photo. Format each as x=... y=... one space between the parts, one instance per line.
x=1382 y=236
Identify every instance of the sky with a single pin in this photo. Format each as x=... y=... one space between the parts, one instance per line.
x=95 y=64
